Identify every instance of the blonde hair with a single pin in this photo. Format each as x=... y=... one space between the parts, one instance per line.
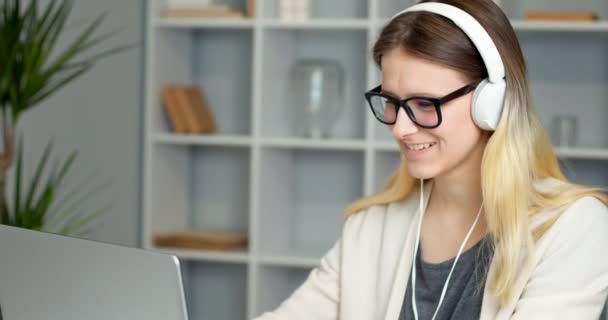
x=518 y=153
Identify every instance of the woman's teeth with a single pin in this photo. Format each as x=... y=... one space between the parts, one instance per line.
x=419 y=146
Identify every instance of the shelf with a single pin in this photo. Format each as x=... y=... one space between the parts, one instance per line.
x=565 y=153
x=212 y=256
x=567 y=78
x=222 y=65
x=585 y=171
x=284 y=48
x=550 y=26
x=546 y=26
x=240 y=141
x=305 y=190
x=517 y=11
x=323 y=9
x=216 y=291
x=190 y=184
x=325 y=24
x=203 y=140
x=290 y=261
x=582 y=153
x=217 y=173
x=194 y=23
x=332 y=144
x=219 y=62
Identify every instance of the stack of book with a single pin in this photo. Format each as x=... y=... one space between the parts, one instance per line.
x=579 y=16
x=201 y=240
x=187 y=110
x=203 y=9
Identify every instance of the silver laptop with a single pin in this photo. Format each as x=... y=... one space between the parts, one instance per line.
x=52 y=277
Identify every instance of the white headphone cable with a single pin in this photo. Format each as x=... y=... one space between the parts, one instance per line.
x=445 y=286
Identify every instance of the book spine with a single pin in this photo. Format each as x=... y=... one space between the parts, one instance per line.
x=251 y=8
x=188 y=110
x=172 y=109
x=201 y=110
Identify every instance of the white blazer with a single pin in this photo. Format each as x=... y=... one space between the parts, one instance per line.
x=365 y=274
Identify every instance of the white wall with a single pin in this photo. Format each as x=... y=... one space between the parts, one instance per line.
x=99 y=115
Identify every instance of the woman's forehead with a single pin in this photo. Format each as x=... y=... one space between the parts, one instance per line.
x=404 y=74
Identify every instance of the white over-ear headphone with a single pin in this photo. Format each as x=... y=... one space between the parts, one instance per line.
x=488 y=98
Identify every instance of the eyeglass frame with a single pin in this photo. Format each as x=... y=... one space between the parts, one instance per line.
x=437 y=102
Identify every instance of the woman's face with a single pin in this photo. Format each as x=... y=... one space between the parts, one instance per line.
x=456 y=146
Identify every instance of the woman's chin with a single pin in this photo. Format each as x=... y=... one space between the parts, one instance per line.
x=421 y=171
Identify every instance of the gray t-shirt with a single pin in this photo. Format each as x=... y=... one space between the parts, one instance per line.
x=465 y=291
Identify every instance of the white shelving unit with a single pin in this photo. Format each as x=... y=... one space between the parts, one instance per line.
x=286 y=192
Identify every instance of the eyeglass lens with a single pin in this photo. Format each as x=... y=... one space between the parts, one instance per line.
x=423 y=111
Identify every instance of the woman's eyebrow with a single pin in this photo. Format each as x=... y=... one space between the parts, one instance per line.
x=413 y=94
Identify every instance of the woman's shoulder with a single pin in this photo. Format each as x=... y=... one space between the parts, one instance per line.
x=586 y=214
x=567 y=265
x=585 y=210
x=580 y=223
x=587 y=207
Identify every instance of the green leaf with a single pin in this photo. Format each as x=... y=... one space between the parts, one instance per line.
x=73 y=207
x=6 y=218
x=51 y=88
x=67 y=198
x=12 y=32
x=44 y=202
x=58 y=24
x=86 y=219
x=26 y=42
x=36 y=180
x=66 y=167
x=30 y=16
x=33 y=213
x=41 y=207
x=48 y=11
x=74 y=48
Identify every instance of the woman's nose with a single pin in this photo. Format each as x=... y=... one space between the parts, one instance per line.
x=404 y=125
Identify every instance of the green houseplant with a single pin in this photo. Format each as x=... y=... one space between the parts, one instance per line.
x=32 y=68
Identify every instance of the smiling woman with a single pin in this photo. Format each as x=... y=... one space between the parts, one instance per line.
x=455 y=140
x=478 y=221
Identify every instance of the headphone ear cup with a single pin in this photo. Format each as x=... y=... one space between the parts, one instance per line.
x=487 y=104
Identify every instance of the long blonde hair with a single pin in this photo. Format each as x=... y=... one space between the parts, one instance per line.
x=518 y=153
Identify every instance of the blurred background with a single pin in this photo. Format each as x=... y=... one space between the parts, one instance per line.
x=233 y=133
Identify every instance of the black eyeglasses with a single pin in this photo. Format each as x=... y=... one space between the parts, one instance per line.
x=424 y=112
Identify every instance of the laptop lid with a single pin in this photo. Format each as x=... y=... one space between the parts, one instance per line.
x=53 y=277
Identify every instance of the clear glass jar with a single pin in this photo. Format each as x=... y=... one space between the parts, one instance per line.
x=317 y=88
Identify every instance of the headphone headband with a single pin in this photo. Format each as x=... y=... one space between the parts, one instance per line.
x=473 y=29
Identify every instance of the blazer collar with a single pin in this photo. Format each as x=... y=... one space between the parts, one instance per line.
x=405 y=262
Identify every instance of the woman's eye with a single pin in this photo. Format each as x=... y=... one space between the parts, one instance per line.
x=420 y=103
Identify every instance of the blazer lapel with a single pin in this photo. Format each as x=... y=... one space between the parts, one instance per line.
x=405 y=262
x=489 y=304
